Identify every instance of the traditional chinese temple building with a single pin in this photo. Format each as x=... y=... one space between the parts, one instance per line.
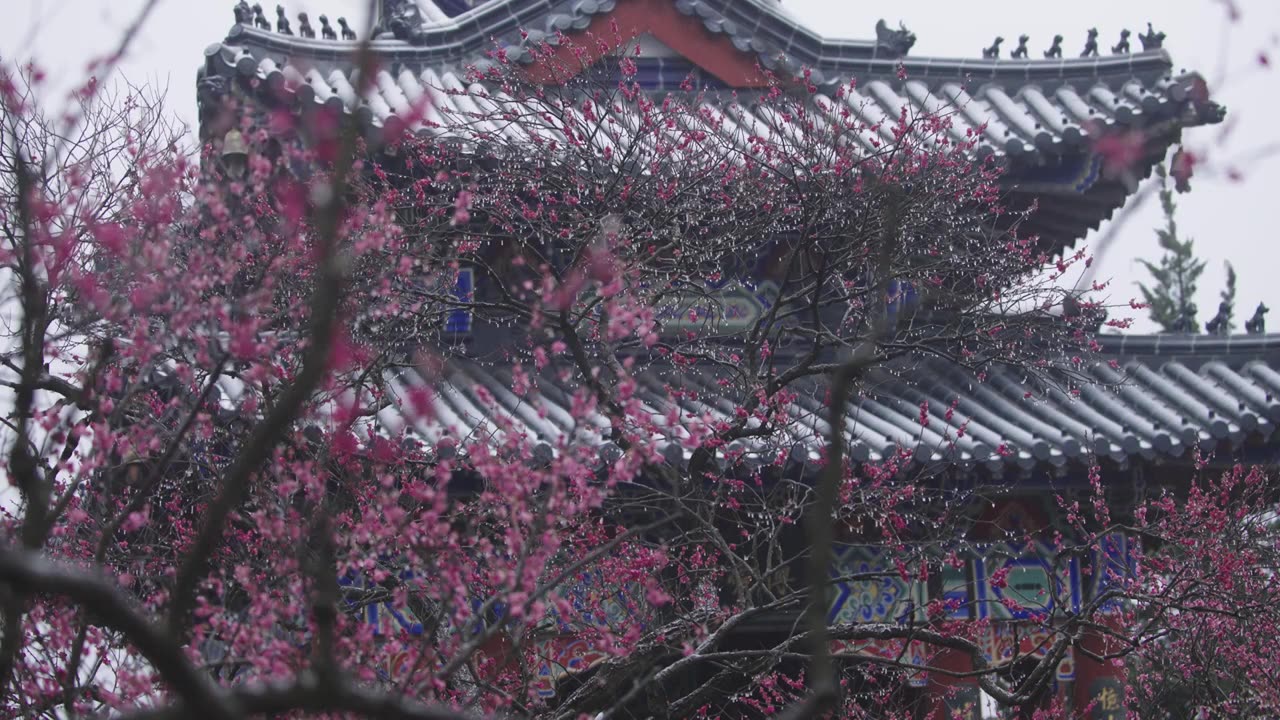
x=1039 y=113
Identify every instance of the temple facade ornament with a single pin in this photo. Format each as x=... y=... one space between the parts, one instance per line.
x=259 y=18
x=895 y=43
x=1055 y=50
x=347 y=32
x=1091 y=44
x=304 y=26
x=1217 y=325
x=1152 y=40
x=211 y=91
x=402 y=19
x=282 y=21
x=993 y=51
x=1257 y=325
x=1122 y=47
x=1020 y=52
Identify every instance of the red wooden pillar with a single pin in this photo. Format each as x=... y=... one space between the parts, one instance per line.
x=954 y=697
x=1099 y=687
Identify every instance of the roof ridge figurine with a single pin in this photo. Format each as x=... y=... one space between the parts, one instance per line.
x=402 y=18
x=304 y=26
x=993 y=52
x=1122 y=47
x=1020 y=52
x=347 y=32
x=244 y=14
x=260 y=19
x=896 y=43
x=1055 y=50
x=1091 y=44
x=1218 y=324
x=326 y=30
x=1152 y=40
x=1257 y=325
x=282 y=21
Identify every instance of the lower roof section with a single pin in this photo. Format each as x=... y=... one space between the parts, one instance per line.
x=1148 y=399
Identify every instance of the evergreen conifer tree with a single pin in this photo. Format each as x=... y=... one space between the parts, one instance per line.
x=1171 y=298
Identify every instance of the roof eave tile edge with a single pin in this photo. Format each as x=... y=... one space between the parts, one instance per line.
x=1149 y=65
x=1168 y=344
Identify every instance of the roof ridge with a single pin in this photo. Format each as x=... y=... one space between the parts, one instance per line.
x=1167 y=344
x=779 y=40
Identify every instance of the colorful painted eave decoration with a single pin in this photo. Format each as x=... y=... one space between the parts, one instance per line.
x=999 y=582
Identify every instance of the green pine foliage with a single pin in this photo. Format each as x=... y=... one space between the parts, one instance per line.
x=1170 y=298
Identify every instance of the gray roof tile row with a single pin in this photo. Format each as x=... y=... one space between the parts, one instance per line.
x=1031 y=123
x=1151 y=406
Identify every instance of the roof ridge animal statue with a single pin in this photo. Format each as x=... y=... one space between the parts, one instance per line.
x=282 y=21
x=1122 y=47
x=326 y=30
x=1091 y=44
x=1218 y=324
x=993 y=52
x=304 y=26
x=1020 y=52
x=260 y=19
x=403 y=19
x=896 y=43
x=1152 y=40
x=347 y=32
x=1257 y=325
x=1055 y=50
x=244 y=14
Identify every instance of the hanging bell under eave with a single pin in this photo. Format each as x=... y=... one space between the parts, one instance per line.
x=235 y=154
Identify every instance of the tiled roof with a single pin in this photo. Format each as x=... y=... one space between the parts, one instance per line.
x=1033 y=110
x=1036 y=116
x=1163 y=397
x=1029 y=107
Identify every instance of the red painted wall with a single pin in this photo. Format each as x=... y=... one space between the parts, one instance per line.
x=712 y=52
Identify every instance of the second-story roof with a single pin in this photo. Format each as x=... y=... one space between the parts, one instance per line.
x=1040 y=117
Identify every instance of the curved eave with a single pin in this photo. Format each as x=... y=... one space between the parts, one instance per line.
x=1038 y=119
x=1194 y=349
x=833 y=61
x=1164 y=398
x=1064 y=215
x=1057 y=123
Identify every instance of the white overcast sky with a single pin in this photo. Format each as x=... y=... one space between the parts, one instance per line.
x=1234 y=221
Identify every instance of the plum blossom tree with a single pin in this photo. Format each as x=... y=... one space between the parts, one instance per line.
x=1202 y=603
x=210 y=506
